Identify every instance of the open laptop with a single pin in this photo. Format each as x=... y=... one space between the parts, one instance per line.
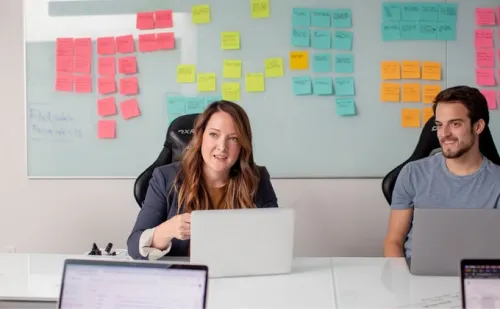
x=91 y=283
x=480 y=283
x=443 y=237
x=243 y=242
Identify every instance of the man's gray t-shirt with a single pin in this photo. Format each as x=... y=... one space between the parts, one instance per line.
x=427 y=183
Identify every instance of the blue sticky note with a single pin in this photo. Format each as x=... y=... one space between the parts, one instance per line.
x=322 y=63
x=344 y=86
x=345 y=107
x=429 y=12
x=447 y=31
x=342 y=18
x=301 y=17
x=323 y=86
x=427 y=30
x=207 y=100
x=409 y=30
x=410 y=11
x=321 y=39
x=448 y=12
x=344 y=63
x=320 y=18
x=391 y=11
x=391 y=31
x=194 y=105
x=301 y=37
x=302 y=85
x=342 y=40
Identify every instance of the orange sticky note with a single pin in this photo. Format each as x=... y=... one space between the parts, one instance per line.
x=106 y=106
x=390 y=92
x=127 y=65
x=125 y=44
x=145 y=20
x=431 y=70
x=165 y=40
x=485 y=77
x=299 y=60
x=83 y=83
x=410 y=118
x=129 y=86
x=64 y=64
x=427 y=113
x=129 y=109
x=390 y=70
x=106 y=129
x=106 y=66
x=163 y=19
x=64 y=82
x=106 y=84
x=147 y=43
x=106 y=46
x=410 y=69
x=411 y=93
x=430 y=92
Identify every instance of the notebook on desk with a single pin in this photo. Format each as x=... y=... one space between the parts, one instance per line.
x=480 y=282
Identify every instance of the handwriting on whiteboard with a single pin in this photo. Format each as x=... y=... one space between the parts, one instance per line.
x=52 y=125
x=450 y=300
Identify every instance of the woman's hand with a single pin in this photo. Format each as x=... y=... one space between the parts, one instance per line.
x=177 y=227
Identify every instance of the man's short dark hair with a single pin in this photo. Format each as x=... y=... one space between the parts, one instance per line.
x=470 y=97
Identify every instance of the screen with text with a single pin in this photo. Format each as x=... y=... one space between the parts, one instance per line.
x=482 y=286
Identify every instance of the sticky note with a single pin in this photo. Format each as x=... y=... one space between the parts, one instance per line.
x=448 y=12
x=483 y=38
x=200 y=14
x=390 y=92
x=491 y=98
x=410 y=11
x=321 y=39
x=410 y=92
x=429 y=12
x=106 y=46
x=127 y=65
x=323 y=86
x=106 y=84
x=106 y=129
x=302 y=85
x=186 y=73
x=391 y=31
x=145 y=20
x=321 y=18
x=260 y=8
x=344 y=63
x=344 y=86
x=83 y=56
x=345 y=107
x=82 y=46
x=485 y=16
x=64 y=82
x=274 y=67
x=106 y=106
x=129 y=109
x=342 y=18
x=106 y=66
x=129 y=85
x=301 y=17
x=427 y=30
x=83 y=83
x=165 y=41
x=207 y=82
x=391 y=11
x=232 y=69
x=429 y=92
x=125 y=44
x=147 y=43
x=410 y=69
x=164 y=19
x=322 y=63
x=410 y=118
x=390 y=70
x=431 y=70
x=175 y=106
x=409 y=30
x=82 y=64
x=485 y=58
x=485 y=77
x=254 y=82
x=299 y=60
x=301 y=37
x=194 y=105
x=447 y=31
x=230 y=40
x=64 y=47
x=427 y=114
x=342 y=40
x=65 y=64
x=211 y=99
x=231 y=91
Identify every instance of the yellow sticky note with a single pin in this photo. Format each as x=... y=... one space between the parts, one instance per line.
x=299 y=60
x=410 y=118
x=430 y=92
x=206 y=82
x=274 y=67
x=260 y=8
x=231 y=91
x=200 y=14
x=230 y=40
x=431 y=70
x=390 y=70
x=186 y=73
x=411 y=93
x=232 y=69
x=426 y=114
x=255 y=82
x=390 y=92
x=410 y=69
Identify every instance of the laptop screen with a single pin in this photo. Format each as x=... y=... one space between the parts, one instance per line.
x=142 y=287
x=481 y=285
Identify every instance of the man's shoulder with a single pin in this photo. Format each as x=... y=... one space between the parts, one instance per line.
x=424 y=164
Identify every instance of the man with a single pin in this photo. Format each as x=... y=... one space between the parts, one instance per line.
x=458 y=177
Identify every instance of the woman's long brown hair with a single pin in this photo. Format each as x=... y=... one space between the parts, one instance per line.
x=243 y=177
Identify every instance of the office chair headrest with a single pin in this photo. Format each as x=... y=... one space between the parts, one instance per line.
x=179 y=134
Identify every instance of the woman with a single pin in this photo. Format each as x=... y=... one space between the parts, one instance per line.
x=217 y=171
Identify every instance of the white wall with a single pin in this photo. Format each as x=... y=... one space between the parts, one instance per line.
x=335 y=217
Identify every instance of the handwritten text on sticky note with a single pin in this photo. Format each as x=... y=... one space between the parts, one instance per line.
x=274 y=67
x=254 y=82
x=200 y=14
x=186 y=73
x=232 y=68
x=299 y=60
x=206 y=82
x=230 y=40
x=390 y=92
x=231 y=91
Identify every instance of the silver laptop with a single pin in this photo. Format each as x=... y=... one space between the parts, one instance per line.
x=480 y=283
x=123 y=284
x=444 y=237
x=243 y=242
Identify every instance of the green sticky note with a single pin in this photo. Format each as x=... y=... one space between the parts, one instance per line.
x=447 y=12
x=410 y=11
x=342 y=18
x=429 y=12
x=302 y=85
x=345 y=107
x=321 y=39
x=322 y=63
x=320 y=18
x=344 y=86
x=344 y=63
x=194 y=105
x=391 y=11
x=175 y=107
x=427 y=30
x=391 y=31
x=447 y=31
x=409 y=30
x=342 y=40
x=323 y=86
x=301 y=17
x=207 y=100
x=301 y=37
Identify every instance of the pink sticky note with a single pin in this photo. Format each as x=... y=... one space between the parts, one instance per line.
x=83 y=83
x=163 y=19
x=127 y=65
x=64 y=64
x=485 y=16
x=485 y=77
x=106 y=65
x=64 y=82
x=106 y=106
x=145 y=21
x=491 y=98
x=106 y=46
x=106 y=84
x=82 y=64
x=165 y=40
x=83 y=46
x=147 y=43
x=129 y=86
x=64 y=47
x=125 y=44
x=483 y=38
x=485 y=58
x=129 y=109
x=106 y=129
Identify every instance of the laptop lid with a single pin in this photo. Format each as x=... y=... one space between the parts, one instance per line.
x=480 y=282
x=132 y=284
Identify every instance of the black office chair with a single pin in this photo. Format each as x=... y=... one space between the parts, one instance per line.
x=428 y=144
x=179 y=134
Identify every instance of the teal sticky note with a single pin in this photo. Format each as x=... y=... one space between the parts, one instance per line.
x=447 y=12
x=207 y=100
x=391 y=31
x=391 y=11
x=301 y=37
x=409 y=30
x=429 y=11
x=410 y=11
x=342 y=40
x=344 y=86
x=427 y=30
x=194 y=105
x=302 y=85
x=345 y=107
x=323 y=86
x=175 y=107
x=301 y=17
x=447 y=31
x=320 y=18
x=322 y=63
x=321 y=39
x=344 y=63
x=342 y=18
